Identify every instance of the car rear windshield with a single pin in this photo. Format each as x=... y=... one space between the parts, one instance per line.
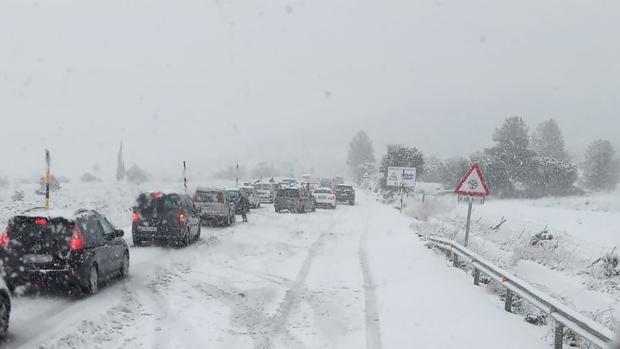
x=246 y=190
x=263 y=187
x=345 y=187
x=39 y=234
x=207 y=196
x=153 y=204
x=288 y=193
x=233 y=194
x=322 y=191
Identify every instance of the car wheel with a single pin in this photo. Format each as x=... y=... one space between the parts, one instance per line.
x=93 y=281
x=5 y=314
x=125 y=266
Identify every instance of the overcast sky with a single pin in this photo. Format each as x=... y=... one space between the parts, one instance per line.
x=218 y=82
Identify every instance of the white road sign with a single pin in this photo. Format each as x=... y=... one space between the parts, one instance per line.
x=401 y=176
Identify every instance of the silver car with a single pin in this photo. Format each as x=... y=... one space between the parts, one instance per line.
x=214 y=206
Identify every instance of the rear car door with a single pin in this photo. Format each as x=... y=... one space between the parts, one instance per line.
x=114 y=245
x=95 y=244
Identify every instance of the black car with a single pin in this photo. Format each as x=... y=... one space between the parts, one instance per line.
x=345 y=193
x=295 y=200
x=77 y=250
x=165 y=218
x=5 y=309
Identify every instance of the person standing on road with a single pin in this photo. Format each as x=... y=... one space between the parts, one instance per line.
x=245 y=207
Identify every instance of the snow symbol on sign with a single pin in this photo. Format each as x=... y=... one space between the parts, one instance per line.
x=473 y=184
x=393 y=177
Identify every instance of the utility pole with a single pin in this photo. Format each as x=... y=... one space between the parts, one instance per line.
x=185 y=176
x=47 y=179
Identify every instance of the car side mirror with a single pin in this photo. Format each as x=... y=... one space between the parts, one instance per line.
x=118 y=233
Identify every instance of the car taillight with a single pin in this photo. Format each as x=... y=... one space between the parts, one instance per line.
x=182 y=218
x=40 y=221
x=77 y=239
x=136 y=217
x=4 y=238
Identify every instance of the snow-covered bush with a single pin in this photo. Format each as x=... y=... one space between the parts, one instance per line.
x=551 y=177
x=89 y=178
x=18 y=195
x=136 y=175
x=540 y=238
x=54 y=185
x=606 y=267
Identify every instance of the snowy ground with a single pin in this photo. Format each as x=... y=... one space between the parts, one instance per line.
x=583 y=228
x=353 y=277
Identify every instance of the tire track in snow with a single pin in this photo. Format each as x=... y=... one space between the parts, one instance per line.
x=373 y=330
x=275 y=324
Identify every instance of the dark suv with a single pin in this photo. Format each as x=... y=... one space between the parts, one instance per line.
x=294 y=200
x=63 y=248
x=166 y=218
x=345 y=193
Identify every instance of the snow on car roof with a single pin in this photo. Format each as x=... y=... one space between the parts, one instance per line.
x=51 y=213
x=208 y=189
x=322 y=188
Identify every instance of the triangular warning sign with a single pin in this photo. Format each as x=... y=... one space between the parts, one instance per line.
x=473 y=183
x=393 y=177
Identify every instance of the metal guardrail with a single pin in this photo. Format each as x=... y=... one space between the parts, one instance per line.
x=593 y=332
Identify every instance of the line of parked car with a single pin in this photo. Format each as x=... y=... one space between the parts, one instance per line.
x=80 y=250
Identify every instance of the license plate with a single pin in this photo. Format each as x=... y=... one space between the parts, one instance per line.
x=151 y=229
x=37 y=258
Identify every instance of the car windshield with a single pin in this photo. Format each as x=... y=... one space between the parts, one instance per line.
x=322 y=191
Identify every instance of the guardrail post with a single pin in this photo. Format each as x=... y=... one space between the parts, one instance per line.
x=508 y=304
x=559 y=336
x=455 y=259
x=476 y=276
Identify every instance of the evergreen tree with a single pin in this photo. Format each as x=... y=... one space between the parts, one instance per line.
x=601 y=166
x=511 y=155
x=361 y=158
x=120 y=165
x=547 y=140
x=136 y=175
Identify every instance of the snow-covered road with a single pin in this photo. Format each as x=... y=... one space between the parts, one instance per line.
x=354 y=277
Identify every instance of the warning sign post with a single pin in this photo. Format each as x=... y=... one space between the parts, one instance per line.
x=472 y=187
x=403 y=177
